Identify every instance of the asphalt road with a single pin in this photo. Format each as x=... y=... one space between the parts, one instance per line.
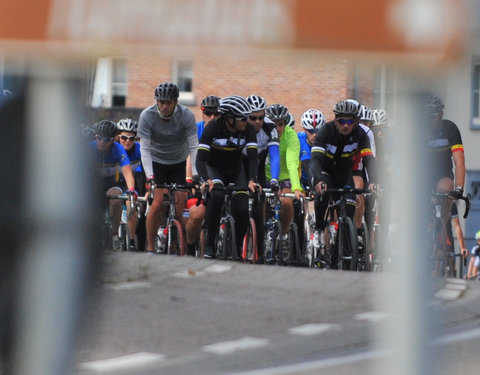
x=171 y=315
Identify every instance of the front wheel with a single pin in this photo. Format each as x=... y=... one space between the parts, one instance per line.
x=272 y=242
x=175 y=241
x=225 y=240
x=250 y=251
x=347 y=245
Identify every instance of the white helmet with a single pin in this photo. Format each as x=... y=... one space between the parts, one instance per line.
x=366 y=113
x=312 y=120
x=256 y=102
x=380 y=117
x=127 y=125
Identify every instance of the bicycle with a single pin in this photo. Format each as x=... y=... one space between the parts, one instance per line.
x=225 y=240
x=274 y=253
x=374 y=259
x=170 y=239
x=443 y=261
x=123 y=229
x=343 y=253
x=123 y=232
x=250 y=250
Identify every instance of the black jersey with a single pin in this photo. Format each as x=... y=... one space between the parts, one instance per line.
x=223 y=150
x=442 y=143
x=333 y=152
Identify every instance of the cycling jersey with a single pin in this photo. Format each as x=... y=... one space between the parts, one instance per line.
x=332 y=152
x=357 y=158
x=305 y=155
x=223 y=150
x=109 y=162
x=289 y=158
x=443 y=141
x=268 y=144
x=200 y=127
x=167 y=141
x=135 y=162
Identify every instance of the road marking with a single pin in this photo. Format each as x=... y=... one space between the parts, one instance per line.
x=214 y=268
x=457 y=337
x=227 y=347
x=312 y=329
x=372 y=316
x=126 y=362
x=130 y=285
x=218 y=268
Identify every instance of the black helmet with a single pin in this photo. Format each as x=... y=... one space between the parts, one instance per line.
x=210 y=103
x=105 y=128
x=166 y=91
x=347 y=107
x=234 y=107
x=433 y=105
x=277 y=112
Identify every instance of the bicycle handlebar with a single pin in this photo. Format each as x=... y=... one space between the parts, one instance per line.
x=465 y=198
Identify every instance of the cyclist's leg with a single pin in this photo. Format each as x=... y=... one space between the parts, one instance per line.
x=214 y=209
x=286 y=210
x=240 y=208
x=359 y=183
x=194 y=223
x=155 y=212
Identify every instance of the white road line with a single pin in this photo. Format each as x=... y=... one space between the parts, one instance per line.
x=130 y=285
x=218 y=268
x=458 y=337
x=126 y=362
x=372 y=316
x=312 y=329
x=227 y=347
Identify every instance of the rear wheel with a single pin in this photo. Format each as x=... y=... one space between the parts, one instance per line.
x=295 y=254
x=347 y=245
x=250 y=253
x=175 y=242
x=225 y=241
x=363 y=249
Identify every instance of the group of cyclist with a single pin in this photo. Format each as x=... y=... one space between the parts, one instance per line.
x=245 y=142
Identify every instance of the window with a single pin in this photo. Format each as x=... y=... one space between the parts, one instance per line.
x=110 y=84
x=183 y=77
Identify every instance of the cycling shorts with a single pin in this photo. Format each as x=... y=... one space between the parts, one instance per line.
x=170 y=173
x=192 y=201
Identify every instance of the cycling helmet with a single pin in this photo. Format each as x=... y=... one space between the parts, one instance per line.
x=290 y=120
x=234 y=106
x=366 y=113
x=277 y=112
x=257 y=103
x=127 y=125
x=477 y=236
x=433 y=105
x=380 y=117
x=210 y=103
x=347 y=107
x=105 y=128
x=166 y=91
x=312 y=120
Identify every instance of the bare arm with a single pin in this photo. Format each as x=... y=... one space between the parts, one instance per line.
x=459 y=161
x=128 y=175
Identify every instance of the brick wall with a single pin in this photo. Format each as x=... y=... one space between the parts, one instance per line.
x=299 y=79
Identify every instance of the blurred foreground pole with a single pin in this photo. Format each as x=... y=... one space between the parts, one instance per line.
x=58 y=202
x=408 y=289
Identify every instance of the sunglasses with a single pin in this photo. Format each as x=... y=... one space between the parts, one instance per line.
x=104 y=139
x=127 y=138
x=255 y=118
x=344 y=121
x=210 y=114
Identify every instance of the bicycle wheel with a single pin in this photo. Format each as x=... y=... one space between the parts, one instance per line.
x=160 y=244
x=124 y=235
x=272 y=237
x=363 y=247
x=250 y=253
x=347 y=244
x=225 y=240
x=175 y=241
x=295 y=256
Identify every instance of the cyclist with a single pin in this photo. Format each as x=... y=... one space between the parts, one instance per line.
x=360 y=177
x=168 y=135
x=474 y=263
x=127 y=138
x=196 y=213
x=289 y=161
x=444 y=144
x=312 y=121
x=110 y=156
x=268 y=144
x=335 y=145
x=220 y=162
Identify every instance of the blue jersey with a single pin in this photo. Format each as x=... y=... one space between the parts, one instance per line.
x=135 y=157
x=305 y=153
x=200 y=127
x=109 y=162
